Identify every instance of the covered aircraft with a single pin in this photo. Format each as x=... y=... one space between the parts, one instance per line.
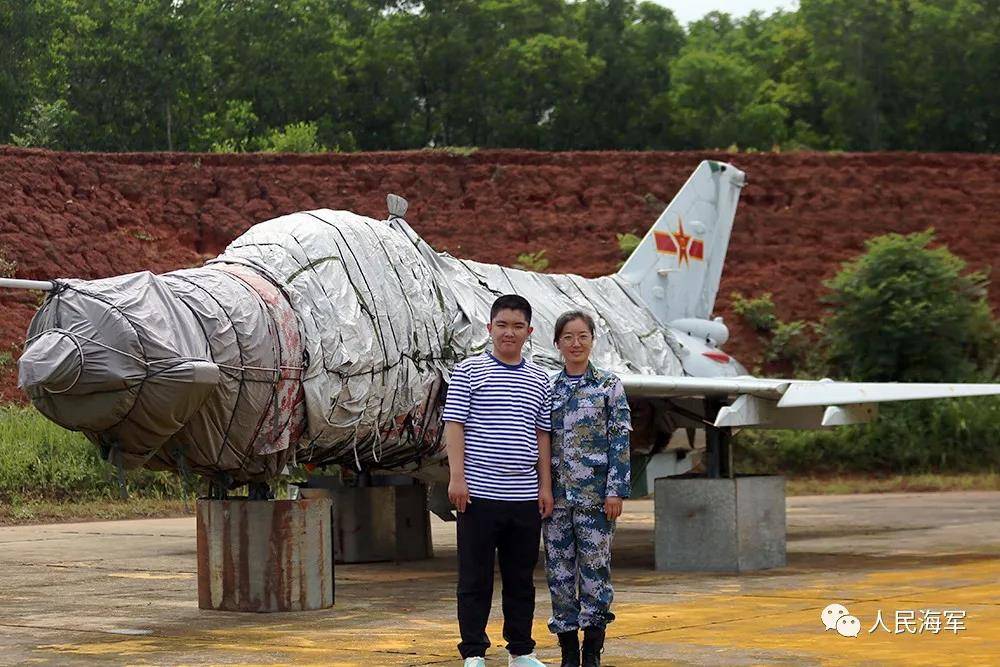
x=324 y=337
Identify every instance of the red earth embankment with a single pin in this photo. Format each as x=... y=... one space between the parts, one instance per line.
x=92 y=215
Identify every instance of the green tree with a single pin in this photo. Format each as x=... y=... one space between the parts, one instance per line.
x=545 y=77
x=625 y=104
x=743 y=82
x=718 y=100
x=780 y=49
x=128 y=69
x=461 y=89
x=17 y=21
x=47 y=126
x=381 y=98
x=904 y=311
x=230 y=131
x=853 y=59
x=290 y=59
x=550 y=74
x=949 y=74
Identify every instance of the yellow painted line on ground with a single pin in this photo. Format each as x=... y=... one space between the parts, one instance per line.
x=389 y=577
x=152 y=575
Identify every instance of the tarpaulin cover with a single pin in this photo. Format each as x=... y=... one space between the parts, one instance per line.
x=331 y=335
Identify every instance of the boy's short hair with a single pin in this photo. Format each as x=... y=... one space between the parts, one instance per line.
x=568 y=317
x=511 y=302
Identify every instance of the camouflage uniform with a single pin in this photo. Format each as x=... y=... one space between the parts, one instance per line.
x=590 y=461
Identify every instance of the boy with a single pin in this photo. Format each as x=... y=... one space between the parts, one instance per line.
x=497 y=433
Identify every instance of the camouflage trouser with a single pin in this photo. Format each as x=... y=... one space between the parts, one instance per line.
x=578 y=553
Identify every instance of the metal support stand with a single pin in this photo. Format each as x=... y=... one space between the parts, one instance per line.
x=265 y=556
x=217 y=490
x=718 y=447
x=259 y=491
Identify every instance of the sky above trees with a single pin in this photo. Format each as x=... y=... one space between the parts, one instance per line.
x=687 y=11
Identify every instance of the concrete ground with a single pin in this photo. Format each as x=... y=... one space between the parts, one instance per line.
x=126 y=592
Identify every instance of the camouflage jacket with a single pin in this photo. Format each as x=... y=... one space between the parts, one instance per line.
x=591 y=421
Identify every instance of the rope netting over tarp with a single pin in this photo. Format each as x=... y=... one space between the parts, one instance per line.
x=318 y=337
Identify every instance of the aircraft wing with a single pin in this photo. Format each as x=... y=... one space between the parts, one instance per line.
x=779 y=403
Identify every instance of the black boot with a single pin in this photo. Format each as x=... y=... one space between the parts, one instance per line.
x=593 y=645
x=569 y=642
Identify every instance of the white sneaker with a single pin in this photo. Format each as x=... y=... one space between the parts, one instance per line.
x=475 y=662
x=530 y=660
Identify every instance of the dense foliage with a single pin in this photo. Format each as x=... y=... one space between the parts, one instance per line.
x=902 y=311
x=955 y=435
x=141 y=75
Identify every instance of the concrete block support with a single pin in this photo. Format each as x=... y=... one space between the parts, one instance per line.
x=381 y=523
x=720 y=525
x=265 y=555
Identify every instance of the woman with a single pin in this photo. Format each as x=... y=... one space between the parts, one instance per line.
x=590 y=476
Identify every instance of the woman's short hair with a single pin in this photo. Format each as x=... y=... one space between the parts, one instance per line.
x=568 y=317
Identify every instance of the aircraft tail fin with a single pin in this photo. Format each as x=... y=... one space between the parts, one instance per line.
x=678 y=265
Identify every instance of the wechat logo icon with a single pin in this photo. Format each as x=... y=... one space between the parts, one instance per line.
x=836 y=617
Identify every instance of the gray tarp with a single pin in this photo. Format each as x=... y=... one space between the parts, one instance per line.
x=330 y=336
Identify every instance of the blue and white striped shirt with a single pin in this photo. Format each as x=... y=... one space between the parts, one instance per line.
x=500 y=406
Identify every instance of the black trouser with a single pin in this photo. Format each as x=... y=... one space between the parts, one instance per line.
x=510 y=529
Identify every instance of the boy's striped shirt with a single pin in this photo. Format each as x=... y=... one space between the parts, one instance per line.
x=500 y=406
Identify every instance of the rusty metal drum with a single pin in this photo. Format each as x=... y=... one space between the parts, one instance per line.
x=265 y=556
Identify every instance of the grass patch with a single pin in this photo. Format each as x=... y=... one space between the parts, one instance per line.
x=456 y=151
x=846 y=484
x=51 y=475
x=40 y=461
x=46 y=511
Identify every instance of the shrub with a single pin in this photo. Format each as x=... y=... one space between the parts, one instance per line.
x=231 y=131
x=532 y=261
x=955 y=435
x=789 y=343
x=293 y=138
x=47 y=125
x=901 y=311
x=627 y=243
x=758 y=312
x=906 y=312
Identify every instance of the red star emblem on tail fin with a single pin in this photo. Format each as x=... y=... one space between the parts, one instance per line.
x=682 y=240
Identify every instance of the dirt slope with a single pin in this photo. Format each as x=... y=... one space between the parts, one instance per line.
x=92 y=215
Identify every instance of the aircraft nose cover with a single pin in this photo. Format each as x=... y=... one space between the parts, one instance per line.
x=83 y=362
x=177 y=370
x=52 y=362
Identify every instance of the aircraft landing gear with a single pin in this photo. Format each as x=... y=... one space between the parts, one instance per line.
x=718 y=441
